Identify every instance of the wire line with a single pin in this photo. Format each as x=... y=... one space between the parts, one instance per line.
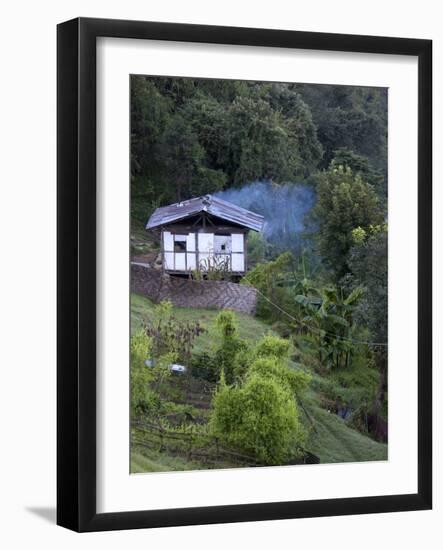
x=313 y=329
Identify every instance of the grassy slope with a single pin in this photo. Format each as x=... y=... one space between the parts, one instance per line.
x=249 y=327
x=334 y=441
x=143 y=460
x=142 y=241
x=331 y=439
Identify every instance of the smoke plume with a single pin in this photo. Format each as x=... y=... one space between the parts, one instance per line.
x=284 y=208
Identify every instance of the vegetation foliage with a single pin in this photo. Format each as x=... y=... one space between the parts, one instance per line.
x=190 y=136
x=260 y=416
x=324 y=434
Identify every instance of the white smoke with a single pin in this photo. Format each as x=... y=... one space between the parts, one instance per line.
x=284 y=208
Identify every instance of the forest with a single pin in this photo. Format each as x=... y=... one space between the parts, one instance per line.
x=307 y=375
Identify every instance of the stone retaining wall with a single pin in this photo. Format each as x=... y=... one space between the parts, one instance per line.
x=189 y=293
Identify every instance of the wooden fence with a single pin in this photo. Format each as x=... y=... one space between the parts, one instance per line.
x=197 y=446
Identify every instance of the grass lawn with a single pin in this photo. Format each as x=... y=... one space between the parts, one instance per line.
x=330 y=438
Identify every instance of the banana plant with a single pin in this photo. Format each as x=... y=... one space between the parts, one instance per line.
x=327 y=315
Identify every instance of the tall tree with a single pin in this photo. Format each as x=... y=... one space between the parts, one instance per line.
x=184 y=159
x=150 y=112
x=344 y=203
x=300 y=125
x=368 y=261
x=261 y=147
x=360 y=165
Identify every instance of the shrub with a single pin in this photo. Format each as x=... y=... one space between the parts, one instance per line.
x=141 y=376
x=231 y=356
x=271 y=359
x=268 y=278
x=204 y=366
x=273 y=346
x=226 y=322
x=171 y=336
x=259 y=417
x=296 y=381
x=146 y=381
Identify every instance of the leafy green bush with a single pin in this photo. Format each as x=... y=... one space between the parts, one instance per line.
x=272 y=346
x=147 y=381
x=270 y=279
x=259 y=417
x=296 y=381
x=271 y=359
x=232 y=355
x=203 y=365
x=141 y=395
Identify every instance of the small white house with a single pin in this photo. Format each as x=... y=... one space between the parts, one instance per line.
x=204 y=233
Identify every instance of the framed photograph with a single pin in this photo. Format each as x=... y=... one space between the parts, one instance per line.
x=244 y=274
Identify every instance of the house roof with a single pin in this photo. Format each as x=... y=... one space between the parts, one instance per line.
x=210 y=204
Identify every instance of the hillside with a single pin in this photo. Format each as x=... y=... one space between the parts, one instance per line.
x=330 y=438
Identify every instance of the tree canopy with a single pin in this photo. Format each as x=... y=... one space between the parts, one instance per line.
x=194 y=136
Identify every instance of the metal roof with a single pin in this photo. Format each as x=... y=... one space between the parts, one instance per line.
x=210 y=204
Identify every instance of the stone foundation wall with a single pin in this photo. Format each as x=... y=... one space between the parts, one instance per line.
x=188 y=293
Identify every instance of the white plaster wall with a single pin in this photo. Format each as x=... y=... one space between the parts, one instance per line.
x=220 y=240
x=168 y=244
x=205 y=246
x=238 y=245
x=191 y=259
x=238 y=242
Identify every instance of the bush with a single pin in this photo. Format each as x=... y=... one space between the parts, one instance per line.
x=272 y=354
x=141 y=376
x=273 y=346
x=204 y=366
x=171 y=336
x=147 y=381
x=260 y=418
x=296 y=381
x=232 y=355
x=269 y=279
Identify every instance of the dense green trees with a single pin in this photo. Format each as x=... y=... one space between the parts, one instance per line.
x=344 y=202
x=369 y=267
x=191 y=136
x=368 y=262
x=353 y=117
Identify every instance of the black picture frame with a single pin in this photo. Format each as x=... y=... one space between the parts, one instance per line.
x=76 y=294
